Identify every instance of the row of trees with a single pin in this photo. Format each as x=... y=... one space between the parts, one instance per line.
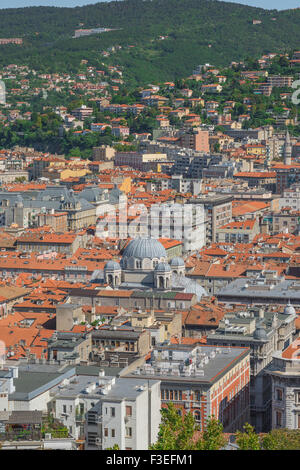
x=181 y=433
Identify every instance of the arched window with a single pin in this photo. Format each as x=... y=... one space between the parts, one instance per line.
x=197 y=416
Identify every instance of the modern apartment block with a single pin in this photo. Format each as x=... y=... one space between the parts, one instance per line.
x=127 y=415
x=218 y=212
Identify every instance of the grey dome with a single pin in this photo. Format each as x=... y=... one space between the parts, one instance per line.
x=112 y=266
x=177 y=262
x=260 y=332
x=289 y=310
x=163 y=268
x=144 y=248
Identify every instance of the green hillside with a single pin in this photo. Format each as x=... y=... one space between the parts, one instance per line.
x=198 y=31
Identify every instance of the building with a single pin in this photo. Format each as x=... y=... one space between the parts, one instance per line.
x=103 y=153
x=140 y=161
x=286 y=176
x=238 y=232
x=144 y=267
x=69 y=348
x=204 y=380
x=218 y=212
x=284 y=372
x=290 y=198
x=127 y=414
x=280 y=81
x=264 y=331
x=196 y=139
x=265 y=180
x=45 y=242
x=262 y=289
x=120 y=345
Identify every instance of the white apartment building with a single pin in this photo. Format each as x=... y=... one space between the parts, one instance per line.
x=291 y=198
x=127 y=415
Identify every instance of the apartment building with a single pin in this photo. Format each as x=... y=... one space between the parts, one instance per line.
x=265 y=288
x=127 y=415
x=284 y=372
x=204 y=380
x=238 y=232
x=218 y=212
x=196 y=139
x=280 y=81
x=264 y=331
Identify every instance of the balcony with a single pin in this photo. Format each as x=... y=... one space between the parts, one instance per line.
x=80 y=418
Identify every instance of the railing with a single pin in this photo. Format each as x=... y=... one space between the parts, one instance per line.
x=21 y=436
x=80 y=418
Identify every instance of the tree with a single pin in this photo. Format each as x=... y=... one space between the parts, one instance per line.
x=213 y=437
x=115 y=447
x=248 y=440
x=180 y=432
x=282 y=439
x=176 y=432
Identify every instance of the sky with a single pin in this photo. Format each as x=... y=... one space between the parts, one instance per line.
x=268 y=4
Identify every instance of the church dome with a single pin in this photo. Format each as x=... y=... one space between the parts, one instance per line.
x=112 y=266
x=163 y=268
x=289 y=310
x=142 y=248
x=177 y=262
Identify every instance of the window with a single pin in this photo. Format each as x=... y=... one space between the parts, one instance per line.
x=128 y=410
x=128 y=432
x=197 y=416
x=113 y=412
x=113 y=433
x=278 y=419
x=64 y=408
x=279 y=394
x=105 y=432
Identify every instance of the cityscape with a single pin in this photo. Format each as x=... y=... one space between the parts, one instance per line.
x=149 y=230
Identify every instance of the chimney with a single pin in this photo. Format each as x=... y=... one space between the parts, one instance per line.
x=261 y=313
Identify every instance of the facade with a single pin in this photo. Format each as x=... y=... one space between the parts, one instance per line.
x=218 y=212
x=203 y=380
x=71 y=348
x=264 y=332
x=263 y=289
x=144 y=266
x=196 y=139
x=127 y=414
x=290 y=198
x=122 y=345
x=284 y=372
x=238 y=232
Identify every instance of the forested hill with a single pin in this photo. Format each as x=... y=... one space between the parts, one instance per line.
x=198 y=31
